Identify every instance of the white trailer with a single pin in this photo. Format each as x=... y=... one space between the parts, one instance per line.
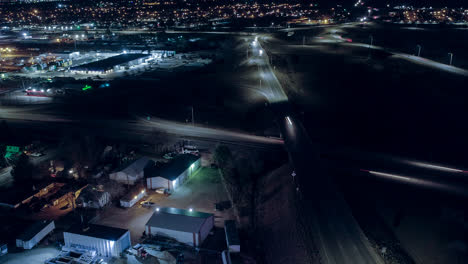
x=34 y=234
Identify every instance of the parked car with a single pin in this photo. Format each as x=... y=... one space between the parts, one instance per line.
x=147 y=204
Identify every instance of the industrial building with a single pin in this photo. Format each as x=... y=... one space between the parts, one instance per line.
x=34 y=234
x=105 y=240
x=112 y=64
x=172 y=174
x=131 y=198
x=186 y=226
x=133 y=172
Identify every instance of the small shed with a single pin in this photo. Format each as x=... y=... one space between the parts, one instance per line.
x=185 y=226
x=232 y=236
x=172 y=174
x=34 y=233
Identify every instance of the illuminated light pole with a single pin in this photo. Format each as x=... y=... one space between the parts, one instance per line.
x=451 y=58
x=419 y=50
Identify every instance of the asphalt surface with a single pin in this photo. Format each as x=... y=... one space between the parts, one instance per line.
x=340 y=239
x=137 y=128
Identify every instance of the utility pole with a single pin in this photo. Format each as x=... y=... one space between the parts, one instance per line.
x=371 y=43
x=451 y=57
x=303 y=40
x=193 y=118
x=419 y=50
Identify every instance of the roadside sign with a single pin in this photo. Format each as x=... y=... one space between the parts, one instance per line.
x=13 y=149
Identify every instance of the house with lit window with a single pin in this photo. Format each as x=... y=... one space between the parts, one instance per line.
x=173 y=174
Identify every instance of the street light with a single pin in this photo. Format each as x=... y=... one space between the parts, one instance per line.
x=451 y=57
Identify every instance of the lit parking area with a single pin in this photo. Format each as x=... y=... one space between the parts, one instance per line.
x=32 y=256
x=200 y=193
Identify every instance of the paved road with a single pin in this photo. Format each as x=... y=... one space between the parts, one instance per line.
x=39 y=119
x=340 y=239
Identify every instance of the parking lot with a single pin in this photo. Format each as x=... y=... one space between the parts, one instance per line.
x=33 y=256
x=200 y=192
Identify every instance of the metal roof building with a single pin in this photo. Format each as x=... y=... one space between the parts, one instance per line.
x=105 y=240
x=172 y=174
x=188 y=227
x=133 y=172
x=111 y=64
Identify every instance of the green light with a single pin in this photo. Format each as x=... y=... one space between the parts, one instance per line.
x=13 y=149
x=87 y=87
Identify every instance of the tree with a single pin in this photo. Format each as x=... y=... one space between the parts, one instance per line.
x=223 y=156
x=23 y=171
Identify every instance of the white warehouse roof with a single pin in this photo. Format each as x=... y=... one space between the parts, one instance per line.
x=178 y=219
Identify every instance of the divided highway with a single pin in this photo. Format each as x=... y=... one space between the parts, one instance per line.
x=336 y=233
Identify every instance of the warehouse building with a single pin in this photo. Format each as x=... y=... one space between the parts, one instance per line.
x=105 y=240
x=186 y=226
x=112 y=64
x=172 y=174
x=34 y=234
x=133 y=172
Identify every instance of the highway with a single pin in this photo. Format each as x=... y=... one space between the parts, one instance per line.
x=137 y=128
x=335 y=231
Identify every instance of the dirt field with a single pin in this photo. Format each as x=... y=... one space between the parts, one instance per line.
x=281 y=232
